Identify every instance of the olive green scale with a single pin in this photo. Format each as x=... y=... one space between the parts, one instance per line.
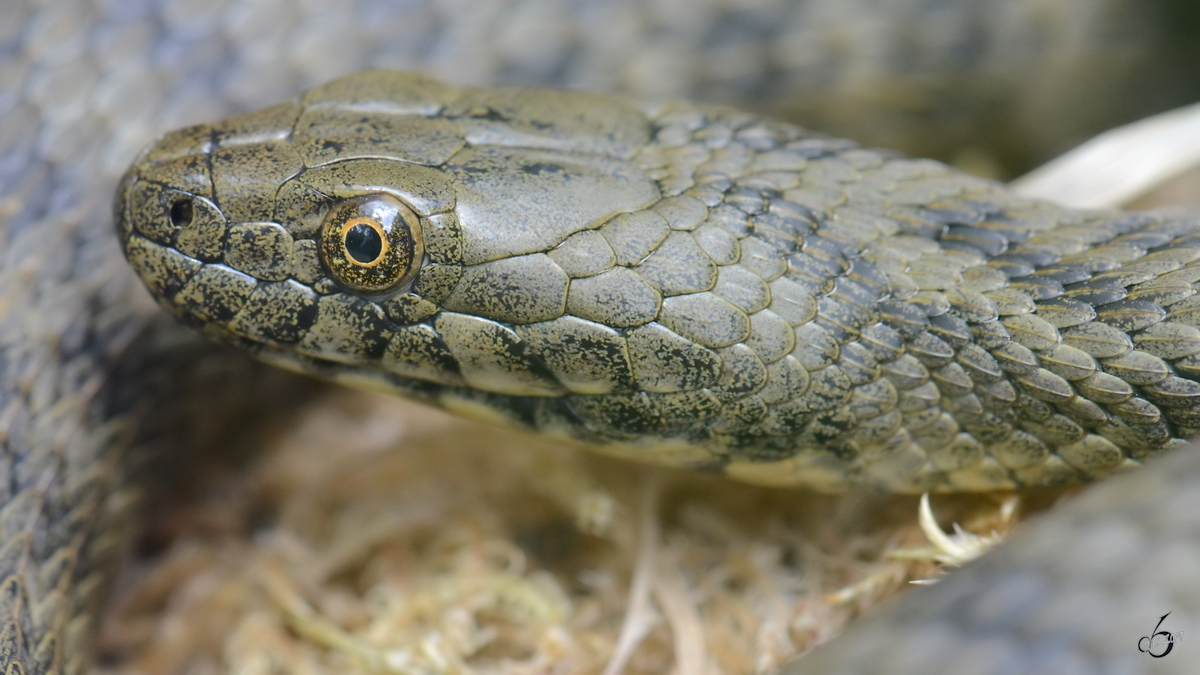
x=686 y=285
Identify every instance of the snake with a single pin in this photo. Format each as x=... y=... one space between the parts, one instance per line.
x=806 y=288
x=679 y=284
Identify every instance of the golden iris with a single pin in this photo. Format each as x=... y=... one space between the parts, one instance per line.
x=372 y=243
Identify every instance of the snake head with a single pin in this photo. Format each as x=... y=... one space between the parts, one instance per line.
x=387 y=228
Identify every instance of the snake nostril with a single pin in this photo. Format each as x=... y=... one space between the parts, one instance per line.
x=180 y=213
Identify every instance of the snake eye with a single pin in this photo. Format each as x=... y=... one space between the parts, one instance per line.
x=371 y=243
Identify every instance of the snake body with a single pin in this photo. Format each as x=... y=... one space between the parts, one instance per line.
x=84 y=84
x=680 y=284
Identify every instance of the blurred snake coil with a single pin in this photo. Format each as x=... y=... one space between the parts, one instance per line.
x=678 y=283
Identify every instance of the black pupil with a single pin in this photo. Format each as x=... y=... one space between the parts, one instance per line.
x=181 y=213
x=363 y=243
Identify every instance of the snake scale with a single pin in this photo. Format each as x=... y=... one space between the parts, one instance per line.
x=844 y=316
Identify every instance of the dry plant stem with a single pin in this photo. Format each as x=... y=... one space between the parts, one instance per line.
x=679 y=607
x=639 y=618
x=301 y=617
x=874 y=585
x=1121 y=164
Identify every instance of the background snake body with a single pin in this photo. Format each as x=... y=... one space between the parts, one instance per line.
x=1094 y=307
